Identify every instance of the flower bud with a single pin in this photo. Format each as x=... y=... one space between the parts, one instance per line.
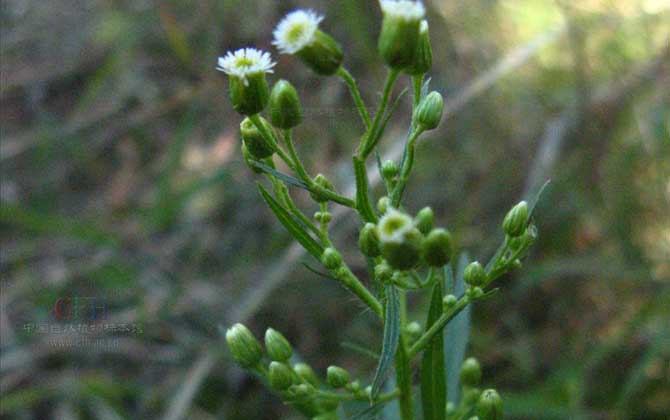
x=448 y=302
x=285 y=109
x=451 y=409
x=471 y=396
x=368 y=240
x=399 y=37
x=249 y=160
x=400 y=240
x=413 y=331
x=353 y=387
x=436 y=248
x=256 y=144
x=471 y=372
x=246 y=69
x=324 y=55
x=423 y=56
x=474 y=274
x=306 y=373
x=429 y=112
x=331 y=259
x=301 y=391
x=244 y=347
x=277 y=346
x=516 y=219
x=474 y=292
x=383 y=205
x=424 y=220
x=323 y=182
x=389 y=169
x=383 y=272
x=281 y=377
x=337 y=377
x=490 y=406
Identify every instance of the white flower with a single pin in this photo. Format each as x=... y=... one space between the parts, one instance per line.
x=403 y=9
x=296 y=30
x=244 y=62
x=393 y=226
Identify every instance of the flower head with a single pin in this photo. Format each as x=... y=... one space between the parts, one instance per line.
x=296 y=31
x=403 y=9
x=394 y=225
x=245 y=62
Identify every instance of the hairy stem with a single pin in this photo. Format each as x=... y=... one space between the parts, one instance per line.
x=403 y=366
x=356 y=95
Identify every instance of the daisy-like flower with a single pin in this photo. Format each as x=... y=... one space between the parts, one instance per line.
x=393 y=226
x=404 y=9
x=246 y=69
x=296 y=31
x=244 y=62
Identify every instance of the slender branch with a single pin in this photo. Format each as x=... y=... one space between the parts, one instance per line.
x=351 y=282
x=407 y=165
x=356 y=95
x=267 y=134
x=370 y=138
x=403 y=367
x=438 y=326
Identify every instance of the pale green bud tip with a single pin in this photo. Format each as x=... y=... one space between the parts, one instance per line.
x=490 y=405
x=306 y=373
x=368 y=240
x=399 y=37
x=337 y=377
x=429 y=111
x=244 y=347
x=383 y=205
x=475 y=292
x=383 y=272
x=285 y=109
x=474 y=274
x=471 y=372
x=321 y=181
x=515 y=221
x=277 y=346
x=448 y=302
x=437 y=248
x=256 y=144
x=413 y=330
x=281 y=377
x=423 y=57
x=331 y=259
x=451 y=408
x=389 y=169
x=424 y=220
x=246 y=68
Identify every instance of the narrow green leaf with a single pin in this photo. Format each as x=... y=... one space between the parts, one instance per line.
x=280 y=175
x=318 y=272
x=294 y=228
x=367 y=213
x=359 y=349
x=391 y=337
x=433 y=375
x=457 y=332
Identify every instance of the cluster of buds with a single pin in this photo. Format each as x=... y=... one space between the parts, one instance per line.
x=404 y=242
x=475 y=404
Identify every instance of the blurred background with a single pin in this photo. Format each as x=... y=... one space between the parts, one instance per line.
x=132 y=231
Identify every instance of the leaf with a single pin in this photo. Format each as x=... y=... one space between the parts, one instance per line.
x=457 y=332
x=294 y=228
x=317 y=272
x=391 y=337
x=433 y=375
x=280 y=175
x=425 y=87
x=359 y=349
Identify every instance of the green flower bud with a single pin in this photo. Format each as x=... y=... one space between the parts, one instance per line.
x=256 y=144
x=327 y=416
x=383 y=205
x=474 y=274
x=490 y=406
x=368 y=240
x=244 y=347
x=277 y=346
x=281 y=377
x=424 y=220
x=451 y=409
x=389 y=169
x=474 y=292
x=516 y=219
x=337 y=377
x=324 y=55
x=249 y=160
x=285 y=109
x=301 y=391
x=383 y=272
x=399 y=37
x=471 y=372
x=323 y=182
x=474 y=418
x=436 y=248
x=429 y=112
x=353 y=387
x=413 y=331
x=448 y=302
x=471 y=396
x=331 y=259
x=246 y=68
x=423 y=57
x=306 y=373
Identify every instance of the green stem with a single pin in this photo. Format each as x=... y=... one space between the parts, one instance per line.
x=363 y=204
x=356 y=95
x=407 y=165
x=351 y=282
x=417 y=84
x=371 y=136
x=438 y=325
x=403 y=367
x=256 y=119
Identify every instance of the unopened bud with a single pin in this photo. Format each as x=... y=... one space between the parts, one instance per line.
x=331 y=259
x=423 y=57
x=389 y=169
x=490 y=405
x=424 y=220
x=471 y=372
x=516 y=219
x=383 y=205
x=368 y=240
x=323 y=182
x=474 y=274
x=436 y=248
x=306 y=373
x=285 y=109
x=256 y=144
x=448 y=302
x=413 y=331
x=474 y=292
x=277 y=346
x=244 y=347
x=429 y=112
x=337 y=377
x=383 y=272
x=281 y=377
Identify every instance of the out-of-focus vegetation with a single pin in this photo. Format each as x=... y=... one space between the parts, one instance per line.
x=123 y=189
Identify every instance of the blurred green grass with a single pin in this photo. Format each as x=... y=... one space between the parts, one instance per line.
x=121 y=179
